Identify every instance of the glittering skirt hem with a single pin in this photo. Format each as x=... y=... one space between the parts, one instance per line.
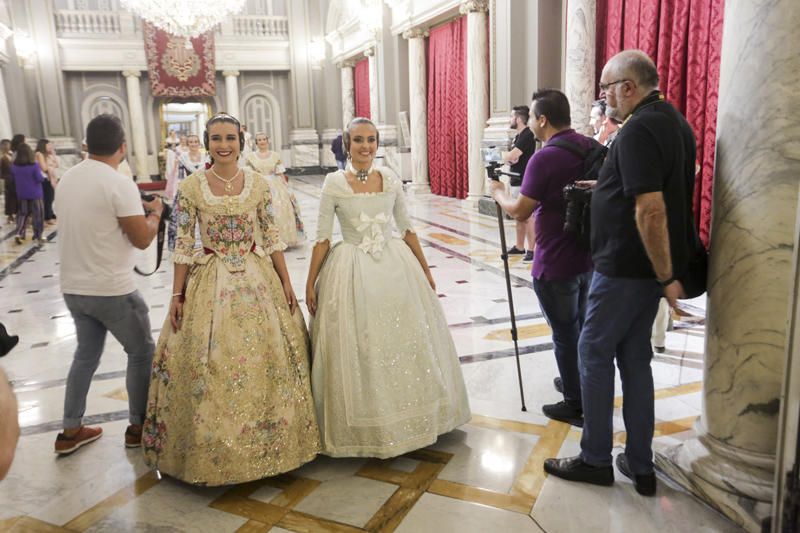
x=388 y=452
x=270 y=472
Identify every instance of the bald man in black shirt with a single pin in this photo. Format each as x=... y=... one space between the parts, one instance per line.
x=641 y=224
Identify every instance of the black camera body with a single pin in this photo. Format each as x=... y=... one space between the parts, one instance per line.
x=167 y=209
x=578 y=213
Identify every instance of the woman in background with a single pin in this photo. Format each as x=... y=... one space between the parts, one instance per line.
x=28 y=179
x=186 y=163
x=287 y=212
x=48 y=190
x=9 y=190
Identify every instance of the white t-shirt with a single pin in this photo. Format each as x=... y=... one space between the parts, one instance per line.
x=96 y=257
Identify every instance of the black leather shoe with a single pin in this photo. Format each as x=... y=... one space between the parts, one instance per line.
x=645 y=483
x=564 y=412
x=558 y=384
x=515 y=251
x=7 y=342
x=574 y=469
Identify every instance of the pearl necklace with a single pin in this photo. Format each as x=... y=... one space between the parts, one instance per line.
x=228 y=182
x=361 y=174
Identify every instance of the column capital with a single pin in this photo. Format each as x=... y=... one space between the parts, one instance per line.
x=369 y=52
x=347 y=63
x=132 y=73
x=414 y=33
x=227 y=73
x=473 y=6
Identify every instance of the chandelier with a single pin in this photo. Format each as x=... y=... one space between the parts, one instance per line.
x=184 y=18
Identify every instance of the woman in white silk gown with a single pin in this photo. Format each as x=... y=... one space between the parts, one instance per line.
x=385 y=375
x=287 y=212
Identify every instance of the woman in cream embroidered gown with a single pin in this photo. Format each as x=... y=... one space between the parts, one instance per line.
x=230 y=397
x=385 y=373
x=287 y=212
x=183 y=164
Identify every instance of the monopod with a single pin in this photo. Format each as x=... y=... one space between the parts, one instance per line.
x=494 y=171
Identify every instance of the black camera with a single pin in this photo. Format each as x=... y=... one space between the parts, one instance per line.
x=577 y=217
x=167 y=209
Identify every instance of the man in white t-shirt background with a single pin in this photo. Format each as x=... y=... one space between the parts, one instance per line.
x=101 y=220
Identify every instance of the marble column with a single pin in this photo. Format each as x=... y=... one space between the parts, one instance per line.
x=477 y=93
x=418 y=107
x=5 y=118
x=137 y=129
x=232 y=93
x=374 y=80
x=730 y=463
x=502 y=76
x=579 y=84
x=304 y=137
x=348 y=92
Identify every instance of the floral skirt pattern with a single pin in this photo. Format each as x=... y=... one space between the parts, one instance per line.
x=230 y=396
x=287 y=212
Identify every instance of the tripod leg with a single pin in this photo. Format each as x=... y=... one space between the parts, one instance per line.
x=504 y=256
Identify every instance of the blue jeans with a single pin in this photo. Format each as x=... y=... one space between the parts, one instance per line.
x=563 y=303
x=619 y=318
x=127 y=318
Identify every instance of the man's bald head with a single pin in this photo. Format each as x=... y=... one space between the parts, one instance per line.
x=634 y=65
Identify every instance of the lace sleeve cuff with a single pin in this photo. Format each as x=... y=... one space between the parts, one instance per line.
x=277 y=246
x=181 y=259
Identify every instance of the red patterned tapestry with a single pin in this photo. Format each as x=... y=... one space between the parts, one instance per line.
x=361 y=88
x=684 y=38
x=176 y=70
x=447 y=109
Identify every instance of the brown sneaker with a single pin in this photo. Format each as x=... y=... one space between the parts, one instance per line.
x=66 y=445
x=133 y=436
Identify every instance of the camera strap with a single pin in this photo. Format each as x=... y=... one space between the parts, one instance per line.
x=159 y=249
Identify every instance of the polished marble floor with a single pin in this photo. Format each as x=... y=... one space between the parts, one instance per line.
x=484 y=477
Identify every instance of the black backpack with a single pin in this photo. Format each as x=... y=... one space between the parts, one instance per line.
x=578 y=216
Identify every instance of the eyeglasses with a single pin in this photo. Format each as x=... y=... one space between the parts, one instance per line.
x=605 y=86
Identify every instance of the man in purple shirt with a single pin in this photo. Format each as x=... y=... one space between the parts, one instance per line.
x=561 y=267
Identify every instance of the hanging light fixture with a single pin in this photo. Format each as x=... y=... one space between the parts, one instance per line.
x=184 y=18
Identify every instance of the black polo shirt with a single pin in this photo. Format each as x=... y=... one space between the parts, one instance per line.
x=527 y=145
x=653 y=151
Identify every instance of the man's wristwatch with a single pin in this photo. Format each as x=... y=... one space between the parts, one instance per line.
x=666 y=281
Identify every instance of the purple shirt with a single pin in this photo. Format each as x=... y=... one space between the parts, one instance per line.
x=558 y=255
x=28 y=179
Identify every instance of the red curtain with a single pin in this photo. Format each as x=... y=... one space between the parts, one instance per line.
x=447 y=109
x=361 y=86
x=684 y=38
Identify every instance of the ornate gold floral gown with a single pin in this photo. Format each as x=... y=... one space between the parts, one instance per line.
x=287 y=212
x=230 y=395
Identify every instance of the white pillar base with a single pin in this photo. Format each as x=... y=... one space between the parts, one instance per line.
x=700 y=469
x=326 y=157
x=305 y=148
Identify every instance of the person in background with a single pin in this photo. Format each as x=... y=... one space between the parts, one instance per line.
x=605 y=128
x=48 y=188
x=28 y=179
x=562 y=270
x=7 y=342
x=641 y=220
x=96 y=252
x=9 y=424
x=9 y=189
x=287 y=211
x=338 y=152
x=522 y=149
